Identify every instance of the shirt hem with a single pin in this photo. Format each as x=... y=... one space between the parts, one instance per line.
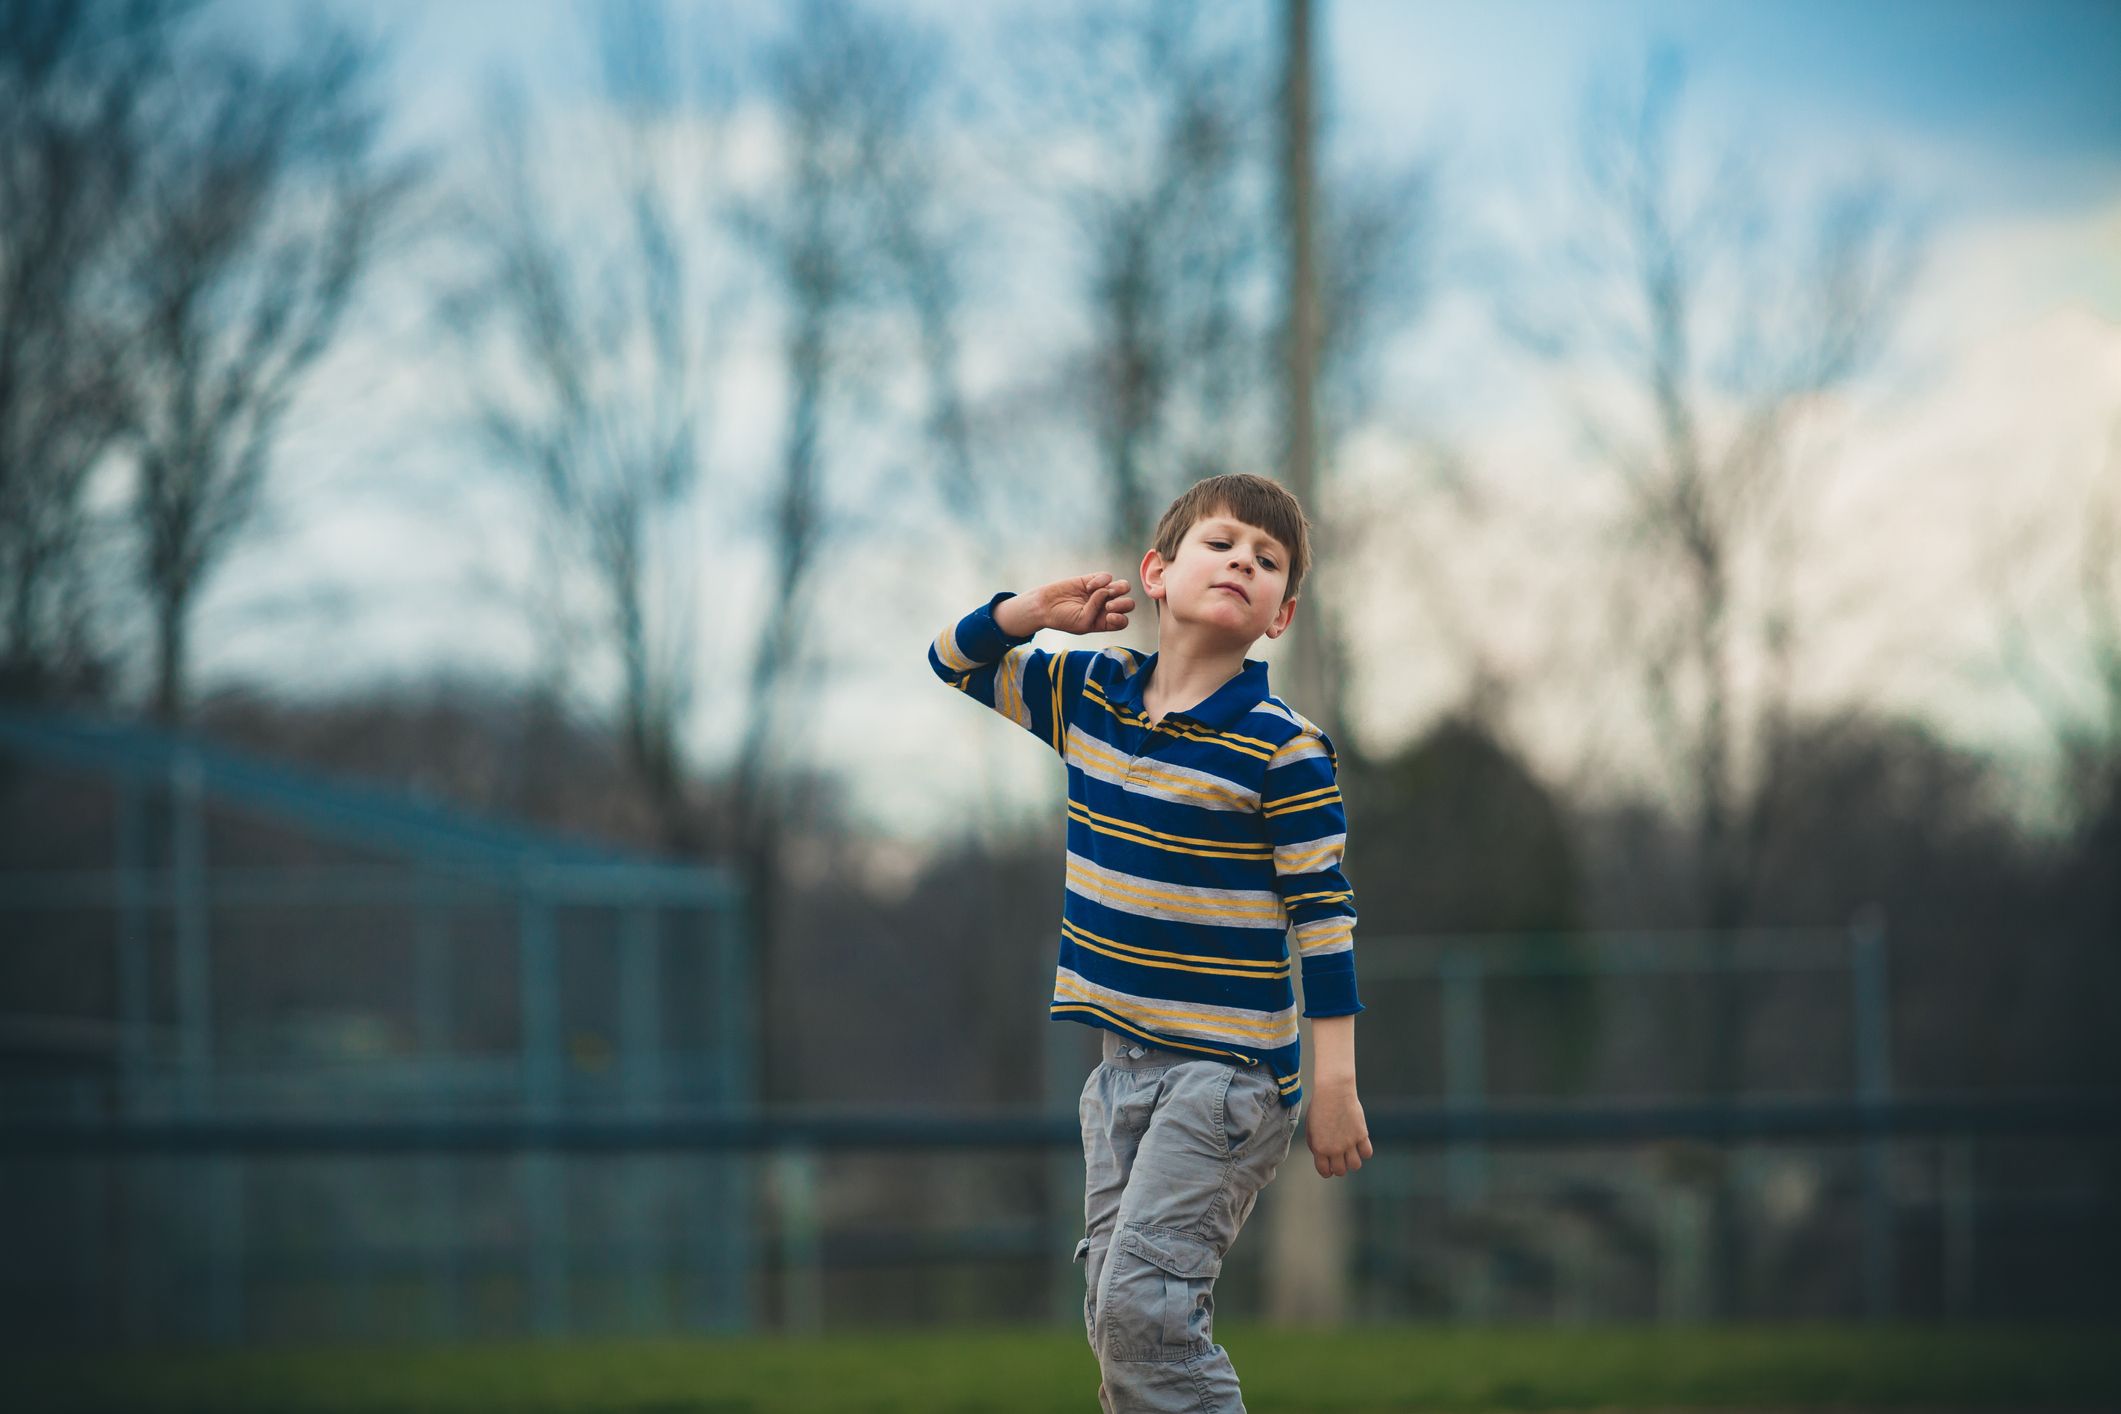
x=1085 y=1015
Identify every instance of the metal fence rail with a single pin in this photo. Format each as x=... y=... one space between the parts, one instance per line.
x=2088 y=1114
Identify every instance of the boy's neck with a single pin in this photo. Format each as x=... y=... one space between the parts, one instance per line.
x=1188 y=671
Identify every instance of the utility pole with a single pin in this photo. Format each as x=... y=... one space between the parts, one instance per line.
x=1308 y=1240
x=1302 y=335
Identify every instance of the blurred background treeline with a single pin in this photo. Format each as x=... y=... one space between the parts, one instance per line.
x=580 y=419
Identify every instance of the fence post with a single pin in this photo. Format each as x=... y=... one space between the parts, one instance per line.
x=1065 y=1074
x=802 y=1284
x=435 y=1004
x=194 y=964
x=543 y=1176
x=641 y=1051
x=133 y=972
x=725 y=1300
x=216 y=1183
x=1465 y=1090
x=1874 y=1087
x=136 y=1056
x=1957 y=1207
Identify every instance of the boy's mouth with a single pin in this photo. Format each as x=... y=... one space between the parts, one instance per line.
x=1234 y=589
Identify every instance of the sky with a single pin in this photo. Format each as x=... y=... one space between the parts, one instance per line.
x=2000 y=124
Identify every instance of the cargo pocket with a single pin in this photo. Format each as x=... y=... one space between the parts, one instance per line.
x=1082 y=1254
x=1162 y=1294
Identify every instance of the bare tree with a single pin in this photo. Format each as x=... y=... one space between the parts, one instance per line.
x=74 y=78
x=267 y=202
x=833 y=233
x=1710 y=337
x=1163 y=118
x=2083 y=718
x=1174 y=232
x=590 y=323
x=1713 y=341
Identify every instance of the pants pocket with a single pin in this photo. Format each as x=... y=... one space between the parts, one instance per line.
x=1160 y=1302
x=1245 y=1109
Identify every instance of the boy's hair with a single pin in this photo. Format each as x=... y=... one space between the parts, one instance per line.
x=1256 y=501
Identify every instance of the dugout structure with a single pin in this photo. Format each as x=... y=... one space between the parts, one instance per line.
x=192 y=935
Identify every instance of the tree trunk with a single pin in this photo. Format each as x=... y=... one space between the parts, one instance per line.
x=172 y=611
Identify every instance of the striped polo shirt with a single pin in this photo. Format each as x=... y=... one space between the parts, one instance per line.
x=1197 y=848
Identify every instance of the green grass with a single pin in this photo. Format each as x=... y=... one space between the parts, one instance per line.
x=1367 y=1370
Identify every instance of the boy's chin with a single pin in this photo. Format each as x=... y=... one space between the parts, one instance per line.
x=1226 y=626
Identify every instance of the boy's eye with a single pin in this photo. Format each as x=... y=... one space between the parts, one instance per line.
x=1267 y=560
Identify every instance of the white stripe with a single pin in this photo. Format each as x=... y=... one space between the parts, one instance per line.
x=1127 y=1004
x=1176 y=903
x=1301 y=748
x=1326 y=949
x=1309 y=856
x=1182 y=785
x=1275 y=707
x=1009 y=677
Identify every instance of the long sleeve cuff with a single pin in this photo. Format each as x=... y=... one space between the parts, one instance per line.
x=971 y=643
x=1329 y=986
x=980 y=638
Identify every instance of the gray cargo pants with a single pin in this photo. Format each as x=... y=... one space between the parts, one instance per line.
x=1176 y=1149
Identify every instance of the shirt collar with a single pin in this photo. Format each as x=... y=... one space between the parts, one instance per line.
x=1222 y=707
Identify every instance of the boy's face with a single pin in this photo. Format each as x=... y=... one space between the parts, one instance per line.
x=1227 y=577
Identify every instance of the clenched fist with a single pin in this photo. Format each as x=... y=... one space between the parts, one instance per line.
x=1091 y=603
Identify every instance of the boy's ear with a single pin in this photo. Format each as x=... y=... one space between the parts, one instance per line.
x=1282 y=616
x=1152 y=575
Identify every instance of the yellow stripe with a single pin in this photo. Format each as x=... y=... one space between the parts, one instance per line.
x=1232 y=740
x=1154 y=839
x=1309 y=861
x=1302 y=806
x=1056 y=670
x=946 y=649
x=1125 y=952
x=1323 y=939
x=1289 y=805
x=1148 y=1036
x=1176 y=839
x=1289 y=1083
x=1317 y=898
x=1007 y=688
x=1178 y=902
x=1306 y=731
x=1264 y=1030
x=1249 y=745
x=1099 y=753
x=1176 y=967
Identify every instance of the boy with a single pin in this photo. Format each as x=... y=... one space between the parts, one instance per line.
x=1204 y=825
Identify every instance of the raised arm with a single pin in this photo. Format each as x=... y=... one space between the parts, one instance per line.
x=986 y=654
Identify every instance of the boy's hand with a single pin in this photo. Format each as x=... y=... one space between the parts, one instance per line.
x=1336 y=1131
x=1091 y=603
